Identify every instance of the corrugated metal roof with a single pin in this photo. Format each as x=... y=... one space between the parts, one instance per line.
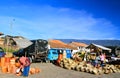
x=22 y=42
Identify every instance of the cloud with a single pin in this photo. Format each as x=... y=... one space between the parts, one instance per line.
x=50 y=22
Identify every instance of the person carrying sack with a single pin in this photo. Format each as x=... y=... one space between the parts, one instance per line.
x=25 y=65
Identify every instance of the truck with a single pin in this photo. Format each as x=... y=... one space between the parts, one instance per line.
x=68 y=53
x=53 y=54
x=38 y=51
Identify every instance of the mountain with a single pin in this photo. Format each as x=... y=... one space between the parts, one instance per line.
x=99 y=42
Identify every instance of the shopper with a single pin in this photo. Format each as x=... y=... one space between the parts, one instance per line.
x=102 y=58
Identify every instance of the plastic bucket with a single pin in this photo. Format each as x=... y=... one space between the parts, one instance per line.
x=2 y=61
x=12 y=61
x=7 y=59
x=4 y=69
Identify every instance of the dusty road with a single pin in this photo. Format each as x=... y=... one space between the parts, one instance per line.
x=49 y=70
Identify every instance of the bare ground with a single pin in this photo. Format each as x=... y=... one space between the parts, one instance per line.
x=49 y=70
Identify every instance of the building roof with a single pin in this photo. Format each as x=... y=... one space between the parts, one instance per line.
x=22 y=42
x=1 y=33
x=59 y=44
x=99 y=46
x=78 y=44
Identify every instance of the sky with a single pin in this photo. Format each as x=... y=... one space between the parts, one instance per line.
x=61 y=19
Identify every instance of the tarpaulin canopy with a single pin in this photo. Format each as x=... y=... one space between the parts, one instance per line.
x=22 y=42
x=98 y=46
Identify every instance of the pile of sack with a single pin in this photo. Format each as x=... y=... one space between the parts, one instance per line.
x=89 y=68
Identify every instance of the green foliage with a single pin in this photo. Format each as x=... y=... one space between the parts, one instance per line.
x=80 y=54
x=8 y=49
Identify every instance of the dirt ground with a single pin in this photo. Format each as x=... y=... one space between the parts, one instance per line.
x=49 y=70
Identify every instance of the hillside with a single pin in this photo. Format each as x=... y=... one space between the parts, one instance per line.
x=100 y=42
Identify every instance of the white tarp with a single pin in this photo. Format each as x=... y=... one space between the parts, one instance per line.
x=99 y=46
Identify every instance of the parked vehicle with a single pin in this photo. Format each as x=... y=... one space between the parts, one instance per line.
x=19 y=53
x=68 y=53
x=38 y=51
x=53 y=54
x=2 y=53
